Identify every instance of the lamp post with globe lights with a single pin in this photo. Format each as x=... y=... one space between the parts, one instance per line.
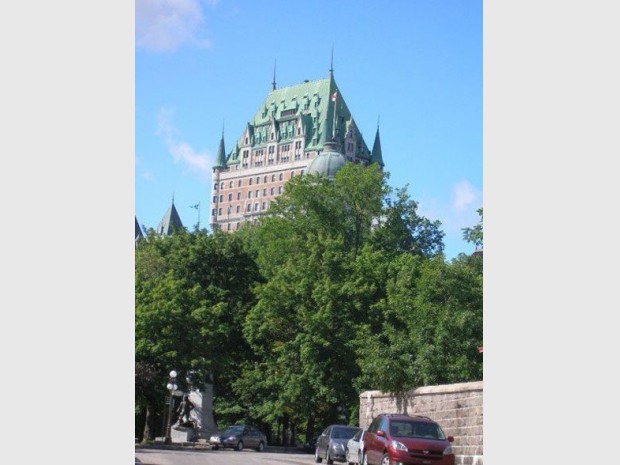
x=171 y=386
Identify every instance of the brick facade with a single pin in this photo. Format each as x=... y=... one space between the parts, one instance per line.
x=456 y=407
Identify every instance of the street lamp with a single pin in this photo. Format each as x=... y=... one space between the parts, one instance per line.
x=171 y=386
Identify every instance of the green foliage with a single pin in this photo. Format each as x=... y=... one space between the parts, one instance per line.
x=474 y=235
x=341 y=288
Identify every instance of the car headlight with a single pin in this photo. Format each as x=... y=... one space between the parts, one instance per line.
x=399 y=446
x=448 y=450
x=338 y=446
x=232 y=438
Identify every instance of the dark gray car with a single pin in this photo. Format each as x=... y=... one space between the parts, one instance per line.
x=238 y=437
x=332 y=443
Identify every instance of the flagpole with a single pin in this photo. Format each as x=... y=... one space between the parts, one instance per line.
x=334 y=125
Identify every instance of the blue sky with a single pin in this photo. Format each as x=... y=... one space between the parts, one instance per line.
x=414 y=65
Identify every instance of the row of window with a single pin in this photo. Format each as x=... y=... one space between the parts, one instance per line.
x=255 y=193
x=257 y=207
x=265 y=178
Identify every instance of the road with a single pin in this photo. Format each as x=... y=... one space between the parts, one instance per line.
x=219 y=457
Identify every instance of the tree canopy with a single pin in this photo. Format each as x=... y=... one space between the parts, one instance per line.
x=342 y=287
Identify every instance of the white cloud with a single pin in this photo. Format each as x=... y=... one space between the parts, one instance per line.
x=464 y=195
x=166 y=25
x=182 y=152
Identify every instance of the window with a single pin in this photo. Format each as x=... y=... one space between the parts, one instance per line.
x=238 y=207
x=257 y=179
x=249 y=194
x=238 y=224
x=221 y=198
x=214 y=198
x=229 y=197
x=272 y=190
x=292 y=174
x=256 y=193
x=213 y=212
x=222 y=186
x=265 y=179
x=273 y=177
x=219 y=211
x=256 y=207
x=229 y=226
x=215 y=186
x=264 y=205
x=250 y=182
x=281 y=175
x=239 y=183
x=230 y=184
x=280 y=190
x=265 y=192
x=238 y=195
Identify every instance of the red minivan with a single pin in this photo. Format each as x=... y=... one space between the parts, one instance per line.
x=396 y=439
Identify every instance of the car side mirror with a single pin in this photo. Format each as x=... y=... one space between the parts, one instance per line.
x=381 y=433
x=450 y=438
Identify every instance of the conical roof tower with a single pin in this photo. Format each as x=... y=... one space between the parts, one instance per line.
x=170 y=222
x=376 y=156
x=220 y=159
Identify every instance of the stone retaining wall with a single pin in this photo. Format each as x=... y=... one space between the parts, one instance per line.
x=456 y=407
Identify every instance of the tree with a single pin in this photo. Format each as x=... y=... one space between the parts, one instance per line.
x=474 y=235
x=192 y=294
x=402 y=230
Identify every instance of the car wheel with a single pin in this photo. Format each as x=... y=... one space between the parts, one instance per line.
x=239 y=446
x=386 y=460
x=328 y=459
x=261 y=446
x=317 y=459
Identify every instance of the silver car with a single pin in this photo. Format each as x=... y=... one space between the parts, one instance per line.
x=238 y=437
x=355 y=448
x=332 y=443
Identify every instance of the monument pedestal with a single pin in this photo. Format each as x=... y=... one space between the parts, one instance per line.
x=202 y=412
x=182 y=434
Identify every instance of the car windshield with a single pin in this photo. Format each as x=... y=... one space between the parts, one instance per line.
x=234 y=430
x=344 y=433
x=410 y=429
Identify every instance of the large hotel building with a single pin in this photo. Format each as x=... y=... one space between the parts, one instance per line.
x=292 y=127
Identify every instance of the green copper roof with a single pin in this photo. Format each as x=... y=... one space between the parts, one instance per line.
x=376 y=156
x=220 y=160
x=327 y=163
x=308 y=105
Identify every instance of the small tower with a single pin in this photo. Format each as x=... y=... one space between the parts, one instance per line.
x=219 y=166
x=376 y=156
x=170 y=222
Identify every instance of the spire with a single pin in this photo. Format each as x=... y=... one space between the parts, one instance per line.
x=220 y=159
x=376 y=156
x=331 y=64
x=273 y=84
x=170 y=222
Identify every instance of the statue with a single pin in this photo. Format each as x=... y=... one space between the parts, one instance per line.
x=183 y=412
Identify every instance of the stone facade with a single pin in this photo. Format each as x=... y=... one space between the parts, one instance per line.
x=456 y=407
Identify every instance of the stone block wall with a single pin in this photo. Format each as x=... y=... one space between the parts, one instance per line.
x=456 y=407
